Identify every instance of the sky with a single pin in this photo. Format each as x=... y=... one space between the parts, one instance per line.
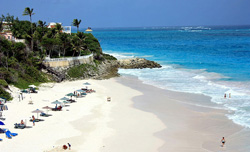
x=133 y=13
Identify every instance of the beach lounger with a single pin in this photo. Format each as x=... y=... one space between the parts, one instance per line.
x=19 y=126
x=1 y=130
x=57 y=109
x=10 y=133
x=36 y=120
x=7 y=133
x=45 y=115
x=13 y=134
x=1 y=139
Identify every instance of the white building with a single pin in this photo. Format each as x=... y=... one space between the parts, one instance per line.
x=66 y=29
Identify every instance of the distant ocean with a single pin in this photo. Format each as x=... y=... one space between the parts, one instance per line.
x=205 y=60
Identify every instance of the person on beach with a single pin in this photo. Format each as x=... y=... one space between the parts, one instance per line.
x=223 y=141
x=22 y=123
x=229 y=95
x=33 y=119
x=21 y=94
x=225 y=95
x=69 y=146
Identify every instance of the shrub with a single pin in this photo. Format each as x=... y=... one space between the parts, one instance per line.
x=78 y=71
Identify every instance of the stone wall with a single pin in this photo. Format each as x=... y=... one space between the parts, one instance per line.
x=68 y=62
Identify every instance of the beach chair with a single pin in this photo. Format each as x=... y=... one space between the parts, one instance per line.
x=12 y=134
x=19 y=126
x=7 y=133
x=1 y=139
x=44 y=114
x=1 y=130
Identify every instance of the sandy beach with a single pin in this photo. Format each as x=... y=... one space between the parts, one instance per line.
x=139 y=118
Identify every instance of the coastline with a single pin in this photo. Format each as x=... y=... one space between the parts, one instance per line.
x=188 y=127
x=132 y=121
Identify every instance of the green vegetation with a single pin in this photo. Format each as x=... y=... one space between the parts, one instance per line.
x=20 y=63
x=76 y=23
x=80 y=70
x=108 y=57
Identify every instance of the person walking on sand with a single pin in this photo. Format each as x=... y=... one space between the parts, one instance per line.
x=69 y=146
x=223 y=141
x=225 y=96
x=33 y=119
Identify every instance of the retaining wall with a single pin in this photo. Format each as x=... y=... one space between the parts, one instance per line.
x=68 y=62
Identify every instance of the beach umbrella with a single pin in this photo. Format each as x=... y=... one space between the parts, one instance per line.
x=37 y=111
x=56 y=102
x=80 y=90
x=32 y=86
x=64 y=98
x=86 y=83
x=65 y=101
x=47 y=107
x=1 y=123
x=70 y=94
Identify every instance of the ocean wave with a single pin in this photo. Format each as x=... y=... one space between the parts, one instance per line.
x=201 y=82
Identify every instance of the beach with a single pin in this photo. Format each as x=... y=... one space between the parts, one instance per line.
x=139 y=117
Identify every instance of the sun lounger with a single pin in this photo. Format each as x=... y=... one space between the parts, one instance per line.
x=71 y=101
x=36 y=120
x=45 y=115
x=19 y=126
x=7 y=133
x=57 y=109
x=1 y=139
x=13 y=134
x=1 y=130
x=10 y=133
x=24 y=91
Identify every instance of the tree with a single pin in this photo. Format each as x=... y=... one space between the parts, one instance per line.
x=76 y=43
x=42 y=25
x=76 y=23
x=28 y=11
x=58 y=27
x=65 y=42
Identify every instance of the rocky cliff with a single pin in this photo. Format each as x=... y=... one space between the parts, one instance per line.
x=137 y=63
x=105 y=69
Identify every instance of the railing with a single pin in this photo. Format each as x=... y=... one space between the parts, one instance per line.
x=68 y=58
x=20 y=40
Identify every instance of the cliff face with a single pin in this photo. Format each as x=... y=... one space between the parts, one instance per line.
x=104 y=70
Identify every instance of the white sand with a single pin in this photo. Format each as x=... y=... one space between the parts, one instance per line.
x=83 y=124
x=132 y=122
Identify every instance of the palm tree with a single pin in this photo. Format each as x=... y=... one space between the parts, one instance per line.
x=42 y=25
x=58 y=27
x=28 y=11
x=76 y=23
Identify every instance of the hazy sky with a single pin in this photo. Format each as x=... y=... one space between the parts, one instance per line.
x=133 y=13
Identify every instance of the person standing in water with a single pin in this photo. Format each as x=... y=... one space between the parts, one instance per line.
x=223 y=141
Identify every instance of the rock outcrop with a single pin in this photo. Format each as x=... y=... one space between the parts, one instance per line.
x=137 y=63
x=104 y=70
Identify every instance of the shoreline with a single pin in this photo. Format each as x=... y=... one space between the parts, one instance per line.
x=211 y=130
x=132 y=121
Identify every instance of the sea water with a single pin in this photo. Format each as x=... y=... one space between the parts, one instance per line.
x=205 y=60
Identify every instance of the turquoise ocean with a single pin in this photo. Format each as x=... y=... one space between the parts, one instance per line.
x=203 y=60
